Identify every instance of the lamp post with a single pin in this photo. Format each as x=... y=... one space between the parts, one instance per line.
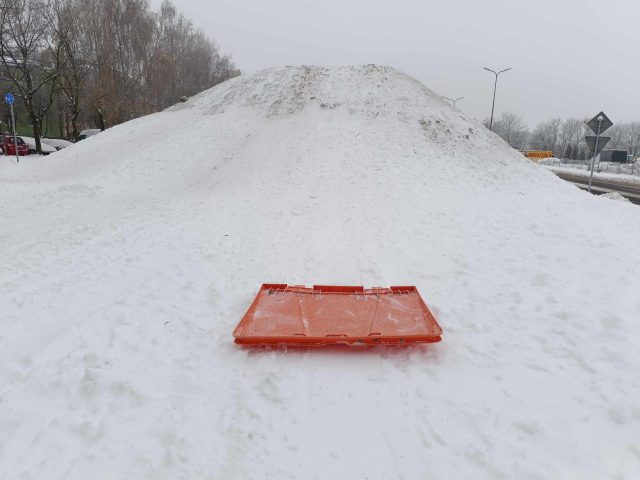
x=495 y=85
x=452 y=100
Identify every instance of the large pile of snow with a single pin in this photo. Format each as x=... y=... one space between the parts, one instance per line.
x=127 y=260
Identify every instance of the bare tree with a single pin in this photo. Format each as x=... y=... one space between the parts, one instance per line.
x=570 y=136
x=183 y=61
x=104 y=61
x=118 y=35
x=545 y=135
x=617 y=134
x=512 y=129
x=79 y=62
x=632 y=137
x=30 y=55
x=625 y=136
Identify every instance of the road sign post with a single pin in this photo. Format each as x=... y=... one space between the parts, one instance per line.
x=595 y=150
x=598 y=125
x=10 y=99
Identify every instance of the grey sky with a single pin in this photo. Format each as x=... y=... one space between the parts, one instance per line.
x=569 y=57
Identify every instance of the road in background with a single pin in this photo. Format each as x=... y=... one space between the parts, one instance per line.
x=600 y=186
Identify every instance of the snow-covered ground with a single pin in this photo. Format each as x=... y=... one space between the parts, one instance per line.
x=615 y=196
x=127 y=261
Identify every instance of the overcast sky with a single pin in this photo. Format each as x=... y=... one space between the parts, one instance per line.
x=569 y=57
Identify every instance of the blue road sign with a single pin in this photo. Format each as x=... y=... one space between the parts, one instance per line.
x=9 y=98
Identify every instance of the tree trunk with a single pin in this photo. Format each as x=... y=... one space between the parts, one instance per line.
x=101 y=119
x=74 y=124
x=60 y=117
x=37 y=131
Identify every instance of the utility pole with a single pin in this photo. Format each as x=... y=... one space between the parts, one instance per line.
x=495 y=86
x=452 y=100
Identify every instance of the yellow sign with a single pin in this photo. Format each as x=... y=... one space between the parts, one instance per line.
x=538 y=153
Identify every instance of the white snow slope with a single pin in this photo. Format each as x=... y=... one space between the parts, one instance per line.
x=127 y=260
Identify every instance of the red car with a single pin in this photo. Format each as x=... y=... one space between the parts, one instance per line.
x=8 y=148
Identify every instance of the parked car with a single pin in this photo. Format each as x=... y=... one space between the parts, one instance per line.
x=31 y=143
x=8 y=148
x=88 y=133
x=57 y=143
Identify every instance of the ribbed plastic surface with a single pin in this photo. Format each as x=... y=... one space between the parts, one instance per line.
x=326 y=315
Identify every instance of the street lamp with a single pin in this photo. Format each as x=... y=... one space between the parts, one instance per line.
x=494 y=91
x=452 y=100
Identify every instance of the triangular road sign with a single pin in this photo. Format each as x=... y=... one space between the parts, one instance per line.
x=605 y=123
x=591 y=143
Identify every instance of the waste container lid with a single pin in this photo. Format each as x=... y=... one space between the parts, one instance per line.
x=329 y=314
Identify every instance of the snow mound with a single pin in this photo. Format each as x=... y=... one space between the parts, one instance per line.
x=128 y=258
x=615 y=196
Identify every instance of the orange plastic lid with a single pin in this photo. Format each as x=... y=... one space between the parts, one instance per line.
x=326 y=315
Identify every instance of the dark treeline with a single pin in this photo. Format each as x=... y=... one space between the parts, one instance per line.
x=82 y=64
x=564 y=137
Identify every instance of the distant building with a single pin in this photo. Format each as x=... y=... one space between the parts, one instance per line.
x=614 y=156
